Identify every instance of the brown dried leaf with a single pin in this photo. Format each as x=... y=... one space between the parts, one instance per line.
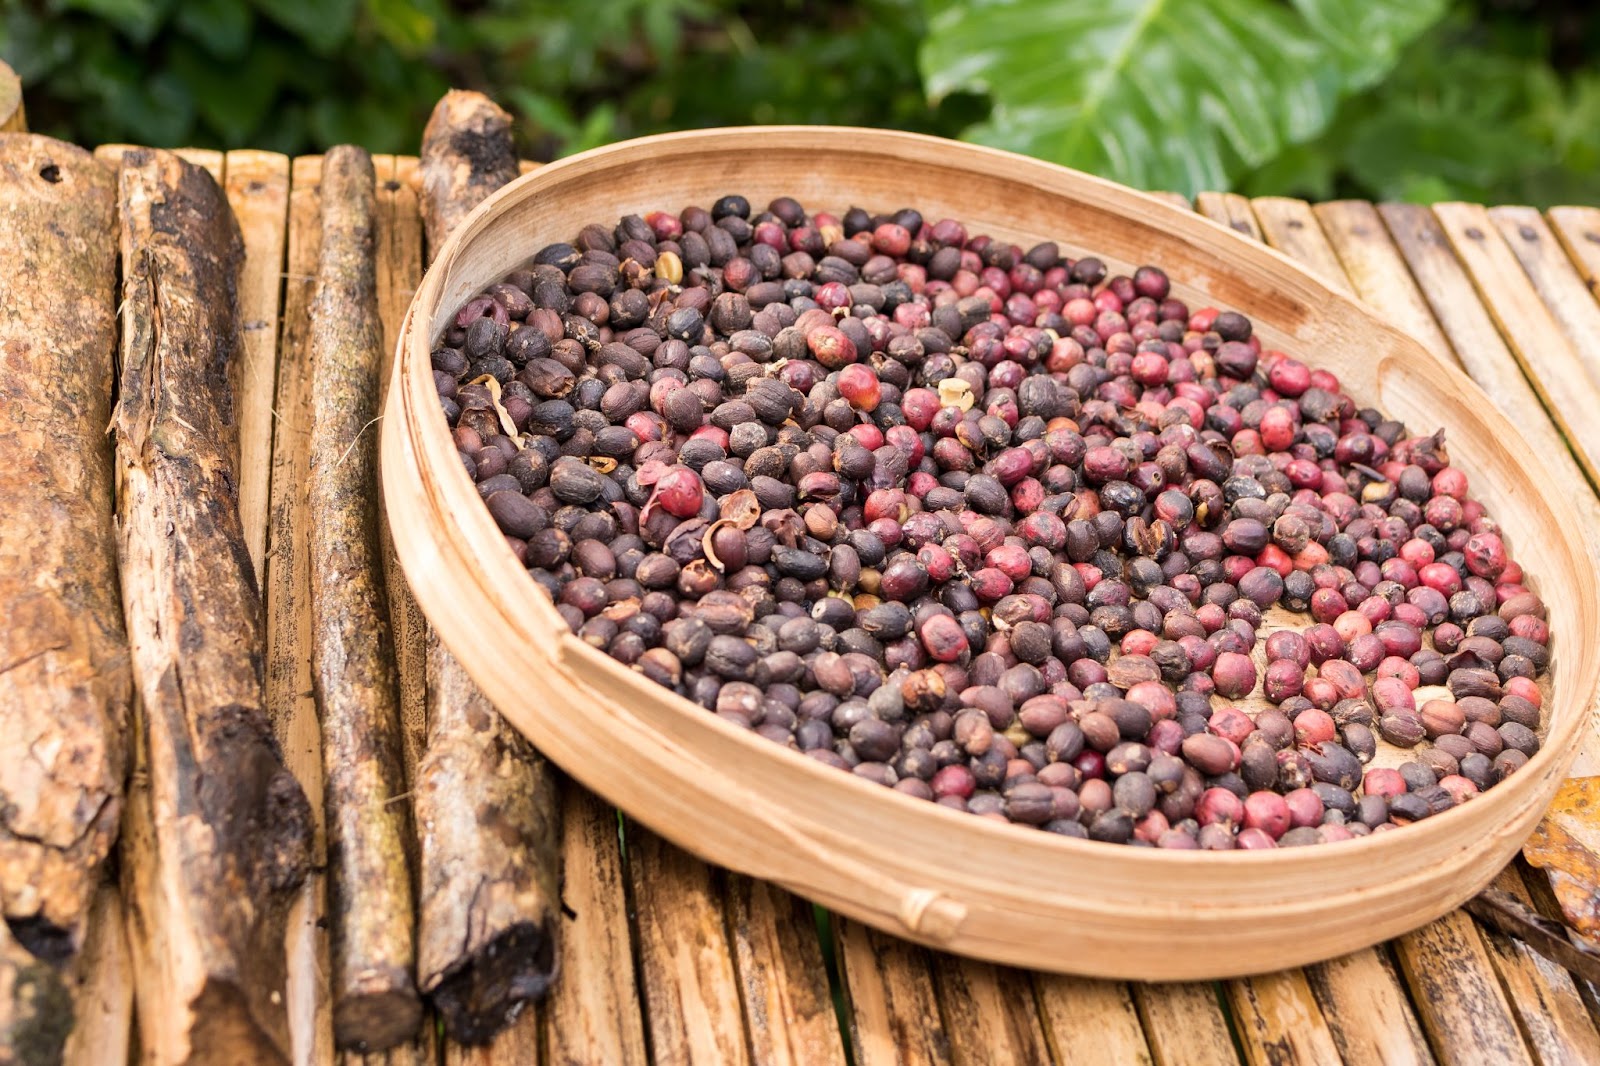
x=741 y=509
x=506 y=425
x=1566 y=844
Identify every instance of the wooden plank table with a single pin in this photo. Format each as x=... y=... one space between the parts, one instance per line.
x=669 y=960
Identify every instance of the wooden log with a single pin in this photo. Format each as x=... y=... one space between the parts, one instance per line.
x=486 y=809
x=37 y=1012
x=466 y=155
x=218 y=831
x=475 y=762
x=64 y=677
x=12 y=117
x=101 y=982
x=375 y=1002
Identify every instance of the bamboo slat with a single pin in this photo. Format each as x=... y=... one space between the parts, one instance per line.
x=894 y=1015
x=1555 y=278
x=1185 y=1024
x=1089 y=1022
x=1579 y=231
x=1366 y=1010
x=1546 y=356
x=788 y=1010
x=1462 y=1006
x=288 y=594
x=1290 y=227
x=257 y=184
x=989 y=1013
x=1378 y=272
x=690 y=991
x=1477 y=343
x=593 y=1011
x=1279 y=1022
x=1230 y=209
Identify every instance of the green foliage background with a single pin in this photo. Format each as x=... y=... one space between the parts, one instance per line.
x=1490 y=100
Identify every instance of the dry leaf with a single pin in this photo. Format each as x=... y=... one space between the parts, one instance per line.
x=1566 y=844
x=489 y=381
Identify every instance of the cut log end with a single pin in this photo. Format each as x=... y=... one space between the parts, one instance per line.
x=467 y=154
x=12 y=117
x=487 y=990
x=378 y=1020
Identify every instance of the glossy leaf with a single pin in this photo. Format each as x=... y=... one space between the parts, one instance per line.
x=1180 y=94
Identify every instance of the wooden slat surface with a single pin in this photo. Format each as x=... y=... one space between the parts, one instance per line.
x=1185 y=1024
x=691 y=996
x=893 y=1012
x=989 y=1013
x=257 y=184
x=1546 y=355
x=1579 y=230
x=732 y=969
x=593 y=1012
x=788 y=1007
x=1091 y=1023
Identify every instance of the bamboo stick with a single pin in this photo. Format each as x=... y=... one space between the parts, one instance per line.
x=64 y=679
x=375 y=1003
x=489 y=904
x=218 y=831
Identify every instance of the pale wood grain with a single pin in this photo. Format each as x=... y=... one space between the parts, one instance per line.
x=1089 y=1022
x=989 y=1013
x=1549 y=359
x=1378 y=272
x=1185 y=1024
x=787 y=1006
x=1473 y=336
x=1462 y=1006
x=1579 y=231
x=257 y=184
x=1289 y=226
x=593 y=1013
x=1555 y=278
x=1279 y=1022
x=894 y=1015
x=288 y=594
x=1230 y=209
x=1366 y=1010
x=690 y=991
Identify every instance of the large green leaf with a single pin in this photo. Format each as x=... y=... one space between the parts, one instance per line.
x=1179 y=94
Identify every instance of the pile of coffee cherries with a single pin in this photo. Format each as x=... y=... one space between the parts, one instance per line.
x=995 y=528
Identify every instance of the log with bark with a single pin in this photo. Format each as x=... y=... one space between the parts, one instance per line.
x=485 y=800
x=64 y=678
x=375 y=1002
x=217 y=832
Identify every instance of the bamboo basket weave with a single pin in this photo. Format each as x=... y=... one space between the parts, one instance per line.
x=943 y=878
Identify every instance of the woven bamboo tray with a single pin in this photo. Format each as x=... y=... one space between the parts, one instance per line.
x=945 y=879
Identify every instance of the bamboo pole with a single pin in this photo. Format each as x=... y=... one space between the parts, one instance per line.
x=217 y=834
x=485 y=800
x=64 y=679
x=375 y=1004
